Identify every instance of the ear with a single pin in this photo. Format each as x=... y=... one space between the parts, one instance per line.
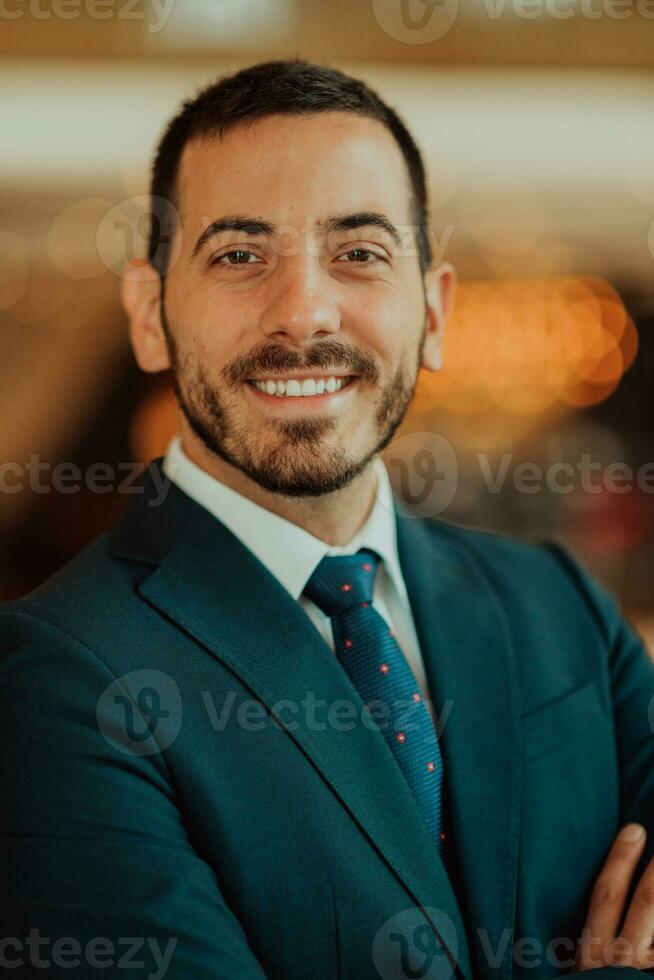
x=140 y=294
x=440 y=288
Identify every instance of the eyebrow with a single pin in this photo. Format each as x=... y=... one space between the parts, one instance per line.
x=337 y=222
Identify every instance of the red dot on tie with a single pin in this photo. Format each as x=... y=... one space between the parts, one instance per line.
x=431 y=766
x=367 y=567
x=443 y=835
x=384 y=668
x=416 y=696
x=365 y=605
x=346 y=587
x=348 y=644
x=401 y=737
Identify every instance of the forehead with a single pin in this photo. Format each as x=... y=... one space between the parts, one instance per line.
x=290 y=168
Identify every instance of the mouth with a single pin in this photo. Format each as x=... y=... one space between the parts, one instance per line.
x=287 y=394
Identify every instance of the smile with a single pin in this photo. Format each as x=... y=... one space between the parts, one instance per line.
x=304 y=394
x=302 y=387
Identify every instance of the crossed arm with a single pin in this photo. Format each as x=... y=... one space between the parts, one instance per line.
x=622 y=901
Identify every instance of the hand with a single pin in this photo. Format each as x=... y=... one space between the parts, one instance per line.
x=601 y=945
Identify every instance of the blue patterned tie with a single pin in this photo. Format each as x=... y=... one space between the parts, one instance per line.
x=342 y=587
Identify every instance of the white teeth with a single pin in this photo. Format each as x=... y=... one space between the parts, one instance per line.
x=294 y=388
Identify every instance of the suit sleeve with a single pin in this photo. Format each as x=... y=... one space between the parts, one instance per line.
x=98 y=874
x=632 y=690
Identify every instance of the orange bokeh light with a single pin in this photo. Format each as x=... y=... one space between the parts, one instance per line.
x=526 y=345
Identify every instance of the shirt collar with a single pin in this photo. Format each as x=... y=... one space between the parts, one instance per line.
x=289 y=552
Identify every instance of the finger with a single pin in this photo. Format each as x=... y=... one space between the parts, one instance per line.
x=638 y=928
x=609 y=894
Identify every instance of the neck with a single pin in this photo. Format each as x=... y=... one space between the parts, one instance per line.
x=333 y=518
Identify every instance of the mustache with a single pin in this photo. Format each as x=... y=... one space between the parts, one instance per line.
x=325 y=354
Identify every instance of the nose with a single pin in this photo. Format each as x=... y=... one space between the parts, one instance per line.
x=301 y=307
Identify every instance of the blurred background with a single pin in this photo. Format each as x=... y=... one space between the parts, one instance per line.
x=535 y=119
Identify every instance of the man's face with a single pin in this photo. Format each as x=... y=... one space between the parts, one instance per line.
x=291 y=298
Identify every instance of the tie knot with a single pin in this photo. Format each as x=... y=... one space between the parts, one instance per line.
x=343 y=581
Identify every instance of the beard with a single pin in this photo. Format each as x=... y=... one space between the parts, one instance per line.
x=293 y=460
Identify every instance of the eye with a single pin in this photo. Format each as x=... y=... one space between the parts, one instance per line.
x=236 y=256
x=360 y=256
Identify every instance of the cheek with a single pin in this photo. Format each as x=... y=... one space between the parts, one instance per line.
x=209 y=335
x=388 y=324
x=374 y=331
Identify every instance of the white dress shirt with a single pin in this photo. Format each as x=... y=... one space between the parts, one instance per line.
x=292 y=554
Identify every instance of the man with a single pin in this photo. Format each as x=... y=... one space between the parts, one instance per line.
x=272 y=724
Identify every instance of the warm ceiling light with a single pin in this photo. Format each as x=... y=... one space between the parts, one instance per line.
x=199 y=24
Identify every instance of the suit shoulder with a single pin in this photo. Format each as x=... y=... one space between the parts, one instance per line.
x=78 y=598
x=493 y=547
x=540 y=570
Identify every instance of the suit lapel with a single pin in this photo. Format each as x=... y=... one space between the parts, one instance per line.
x=470 y=668
x=214 y=589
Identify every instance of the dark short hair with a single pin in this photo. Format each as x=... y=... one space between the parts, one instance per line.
x=292 y=87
